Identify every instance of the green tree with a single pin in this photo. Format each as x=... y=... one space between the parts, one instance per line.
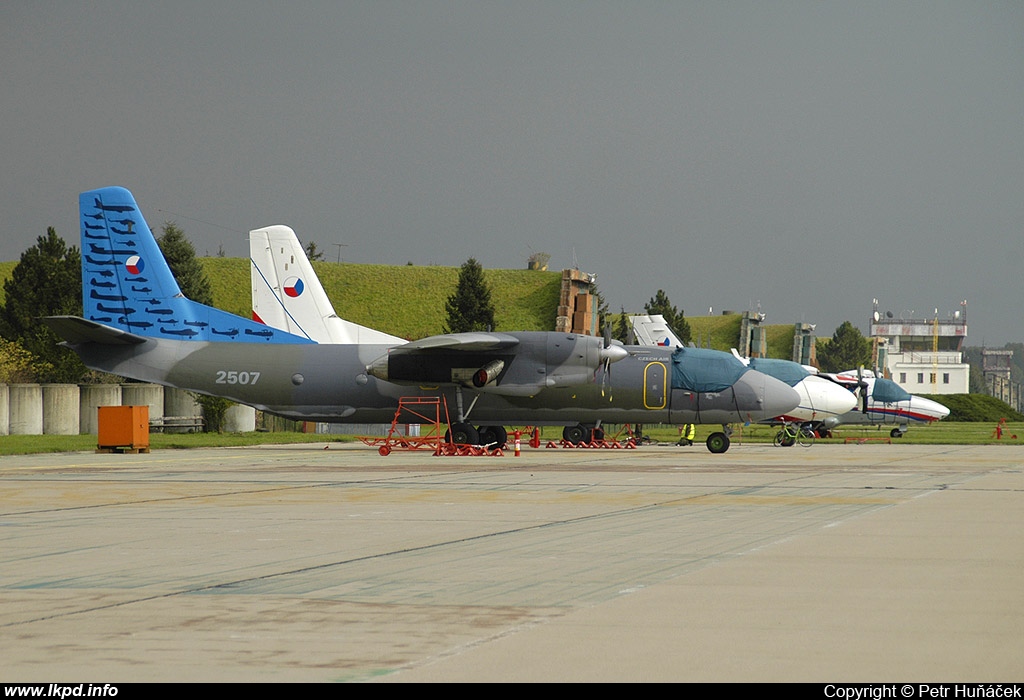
x=622 y=330
x=18 y=365
x=313 y=253
x=194 y=284
x=674 y=318
x=46 y=282
x=181 y=258
x=604 y=314
x=214 y=409
x=470 y=307
x=848 y=349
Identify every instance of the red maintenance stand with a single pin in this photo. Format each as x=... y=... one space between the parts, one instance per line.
x=426 y=412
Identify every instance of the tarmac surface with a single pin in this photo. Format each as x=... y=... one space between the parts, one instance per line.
x=837 y=563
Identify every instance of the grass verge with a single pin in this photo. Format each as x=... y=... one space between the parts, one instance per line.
x=942 y=433
x=31 y=444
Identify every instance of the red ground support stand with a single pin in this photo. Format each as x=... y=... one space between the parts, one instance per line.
x=427 y=412
x=862 y=440
x=613 y=443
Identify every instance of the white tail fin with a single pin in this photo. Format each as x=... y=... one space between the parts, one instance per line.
x=653 y=330
x=287 y=294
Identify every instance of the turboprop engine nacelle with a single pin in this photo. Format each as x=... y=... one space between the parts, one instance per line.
x=513 y=364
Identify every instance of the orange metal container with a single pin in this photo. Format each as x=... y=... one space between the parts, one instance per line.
x=123 y=426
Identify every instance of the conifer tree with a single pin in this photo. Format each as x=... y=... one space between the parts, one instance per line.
x=46 y=282
x=470 y=307
x=313 y=252
x=181 y=258
x=674 y=318
x=194 y=284
x=603 y=313
x=848 y=349
x=622 y=330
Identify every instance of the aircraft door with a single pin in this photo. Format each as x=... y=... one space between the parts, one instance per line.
x=655 y=386
x=874 y=414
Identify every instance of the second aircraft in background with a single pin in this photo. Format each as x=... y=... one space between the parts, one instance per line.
x=853 y=397
x=822 y=402
x=884 y=402
x=287 y=294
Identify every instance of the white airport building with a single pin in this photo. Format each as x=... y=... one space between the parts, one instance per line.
x=922 y=355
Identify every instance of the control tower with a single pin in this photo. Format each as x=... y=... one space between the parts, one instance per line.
x=923 y=355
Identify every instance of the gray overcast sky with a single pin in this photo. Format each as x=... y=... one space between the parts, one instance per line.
x=807 y=156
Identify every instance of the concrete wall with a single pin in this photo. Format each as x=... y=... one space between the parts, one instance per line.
x=25 y=404
x=240 y=419
x=151 y=395
x=60 y=409
x=70 y=409
x=5 y=415
x=180 y=407
x=90 y=398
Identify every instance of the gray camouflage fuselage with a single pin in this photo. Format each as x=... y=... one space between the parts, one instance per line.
x=330 y=383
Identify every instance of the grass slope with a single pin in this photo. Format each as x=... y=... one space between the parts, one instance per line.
x=407 y=300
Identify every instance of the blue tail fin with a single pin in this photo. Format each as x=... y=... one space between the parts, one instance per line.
x=127 y=284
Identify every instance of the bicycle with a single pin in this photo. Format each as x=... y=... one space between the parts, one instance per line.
x=792 y=433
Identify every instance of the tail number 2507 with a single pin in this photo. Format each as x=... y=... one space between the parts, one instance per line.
x=233 y=377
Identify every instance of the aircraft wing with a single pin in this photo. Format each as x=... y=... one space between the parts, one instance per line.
x=513 y=364
x=76 y=330
x=459 y=342
x=469 y=359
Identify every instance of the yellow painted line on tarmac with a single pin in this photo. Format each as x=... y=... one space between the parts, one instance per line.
x=145 y=460
x=718 y=499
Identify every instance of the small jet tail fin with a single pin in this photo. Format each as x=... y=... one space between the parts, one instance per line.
x=128 y=285
x=287 y=294
x=653 y=330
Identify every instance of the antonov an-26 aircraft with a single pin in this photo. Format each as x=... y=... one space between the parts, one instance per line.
x=137 y=324
x=288 y=295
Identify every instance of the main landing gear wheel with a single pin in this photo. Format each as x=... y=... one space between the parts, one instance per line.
x=718 y=443
x=896 y=432
x=462 y=434
x=493 y=436
x=574 y=434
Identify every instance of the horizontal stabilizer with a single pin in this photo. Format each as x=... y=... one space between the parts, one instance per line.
x=76 y=330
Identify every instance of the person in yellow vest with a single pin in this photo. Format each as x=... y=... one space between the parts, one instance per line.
x=686 y=433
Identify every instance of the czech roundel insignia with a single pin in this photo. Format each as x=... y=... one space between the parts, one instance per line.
x=134 y=265
x=293 y=286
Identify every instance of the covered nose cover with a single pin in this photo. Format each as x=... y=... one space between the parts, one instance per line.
x=701 y=370
x=784 y=370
